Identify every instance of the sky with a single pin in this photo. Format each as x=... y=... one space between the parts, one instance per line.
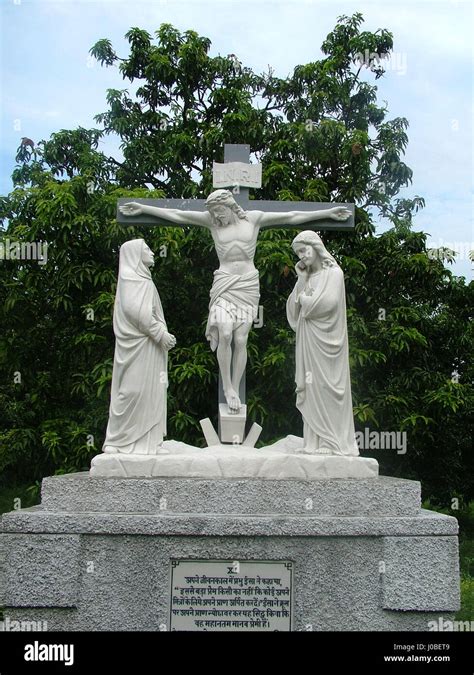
x=49 y=81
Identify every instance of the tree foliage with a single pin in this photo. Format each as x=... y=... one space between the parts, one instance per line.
x=321 y=135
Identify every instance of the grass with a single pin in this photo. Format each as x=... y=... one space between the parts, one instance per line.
x=466 y=556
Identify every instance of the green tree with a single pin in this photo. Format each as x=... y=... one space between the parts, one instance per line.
x=320 y=135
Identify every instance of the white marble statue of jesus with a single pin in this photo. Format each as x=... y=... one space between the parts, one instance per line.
x=235 y=291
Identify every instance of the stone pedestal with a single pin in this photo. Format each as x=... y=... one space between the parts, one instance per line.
x=232 y=425
x=98 y=553
x=280 y=461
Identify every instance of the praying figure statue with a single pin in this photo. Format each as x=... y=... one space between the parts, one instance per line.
x=235 y=292
x=137 y=416
x=316 y=311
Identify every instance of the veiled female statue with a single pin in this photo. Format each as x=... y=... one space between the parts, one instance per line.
x=316 y=311
x=137 y=417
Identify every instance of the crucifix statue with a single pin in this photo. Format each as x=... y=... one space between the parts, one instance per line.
x=234 y=296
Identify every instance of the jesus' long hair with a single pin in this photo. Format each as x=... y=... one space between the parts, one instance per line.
x=225 y=198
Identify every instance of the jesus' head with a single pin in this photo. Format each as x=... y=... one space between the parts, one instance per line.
x=222 y=207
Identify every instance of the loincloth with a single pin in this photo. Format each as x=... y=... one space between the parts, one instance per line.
x=234 y=298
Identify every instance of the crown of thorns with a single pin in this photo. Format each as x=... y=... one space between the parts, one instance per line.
x=223 y=196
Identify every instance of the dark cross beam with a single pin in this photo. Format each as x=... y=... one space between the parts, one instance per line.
x=238 y=153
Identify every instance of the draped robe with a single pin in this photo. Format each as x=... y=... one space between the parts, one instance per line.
x=137 y=415
x=322 y=363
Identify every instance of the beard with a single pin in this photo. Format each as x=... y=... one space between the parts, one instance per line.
x=222 y=221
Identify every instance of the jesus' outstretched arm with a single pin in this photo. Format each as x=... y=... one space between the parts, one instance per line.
x=297 y=218
x=169 y=216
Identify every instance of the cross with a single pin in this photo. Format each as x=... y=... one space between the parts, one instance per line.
x=239 y=174
x=238 y=153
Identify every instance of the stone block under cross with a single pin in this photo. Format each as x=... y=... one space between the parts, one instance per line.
x=234 y=222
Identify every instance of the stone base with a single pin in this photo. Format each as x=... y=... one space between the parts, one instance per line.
x=280 y=461
x=232 y=425
x=79 y=493
x=99 y=552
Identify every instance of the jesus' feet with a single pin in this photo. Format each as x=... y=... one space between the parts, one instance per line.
x=233 y=401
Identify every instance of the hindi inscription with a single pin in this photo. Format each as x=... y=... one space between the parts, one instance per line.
x=219 y=595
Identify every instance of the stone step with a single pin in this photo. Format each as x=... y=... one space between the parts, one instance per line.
x=382 y=496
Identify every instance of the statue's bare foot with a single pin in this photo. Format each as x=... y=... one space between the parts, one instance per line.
x=297 y=451
x=311 y=450
x=233 y=401
x=323 y=451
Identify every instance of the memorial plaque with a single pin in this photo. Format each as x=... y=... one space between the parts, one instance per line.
x=219 y=595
